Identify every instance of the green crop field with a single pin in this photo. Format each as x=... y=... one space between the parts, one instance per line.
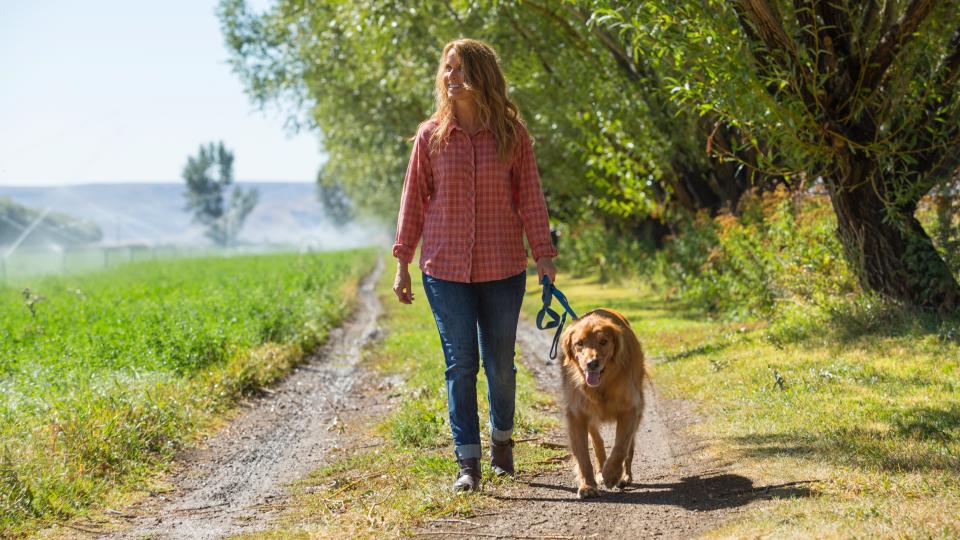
x=103 y=376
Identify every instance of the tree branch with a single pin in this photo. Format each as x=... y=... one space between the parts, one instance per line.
x=634 y=71
x=766 y=23
x=950 y=70
x=803 y=12
x=774 y=49
x=564 y=25
x=868 y=22
x=940 y=159
x=886 y=21
x=892 y=41
x=837 y=25
x=525 y=36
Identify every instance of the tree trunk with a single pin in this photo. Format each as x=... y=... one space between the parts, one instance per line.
x=896 y=260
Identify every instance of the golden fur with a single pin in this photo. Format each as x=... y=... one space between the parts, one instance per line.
x=602 y=341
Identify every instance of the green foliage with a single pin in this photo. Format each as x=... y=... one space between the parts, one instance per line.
x=649 y=110
x=777 y=257
x=54 y=229
x=608 y=136
x=590 y=248
x=104 y=375
x=942 y=213
x=860 y=95
x=205 y=194
x=765 y=90
x=779 y=252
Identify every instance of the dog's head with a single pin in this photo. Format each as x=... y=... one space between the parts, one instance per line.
x=590 y=346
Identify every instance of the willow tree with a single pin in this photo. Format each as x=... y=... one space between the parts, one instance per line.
x=861 y=95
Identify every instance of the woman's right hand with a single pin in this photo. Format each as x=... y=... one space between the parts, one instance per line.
x=401 y=285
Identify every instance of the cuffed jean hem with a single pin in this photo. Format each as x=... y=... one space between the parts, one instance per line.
x=468 y=451
x=500 y=435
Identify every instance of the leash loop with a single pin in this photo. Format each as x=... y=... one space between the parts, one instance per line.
x=556 y=320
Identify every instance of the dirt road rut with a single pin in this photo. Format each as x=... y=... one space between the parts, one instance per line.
x=233 y=482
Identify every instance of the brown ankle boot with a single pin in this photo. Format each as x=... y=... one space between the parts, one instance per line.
x=468 y=479
x=501 y=457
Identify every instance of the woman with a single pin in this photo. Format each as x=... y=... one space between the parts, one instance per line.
x=470 y=191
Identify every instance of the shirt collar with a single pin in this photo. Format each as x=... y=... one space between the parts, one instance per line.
x=454 y=125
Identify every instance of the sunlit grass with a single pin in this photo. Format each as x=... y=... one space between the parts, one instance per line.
x=105 y=375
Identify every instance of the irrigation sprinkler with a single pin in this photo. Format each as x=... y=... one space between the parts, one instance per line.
x=26 y=232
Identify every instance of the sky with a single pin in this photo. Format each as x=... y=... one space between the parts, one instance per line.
x=124 y=91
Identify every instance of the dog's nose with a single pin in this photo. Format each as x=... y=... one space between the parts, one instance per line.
x=593 y=364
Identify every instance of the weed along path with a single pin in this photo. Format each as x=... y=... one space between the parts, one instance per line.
x=675 y=494
x=237 y=481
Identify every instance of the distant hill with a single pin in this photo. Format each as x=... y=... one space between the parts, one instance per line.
x=154 y=214
x=43 y=229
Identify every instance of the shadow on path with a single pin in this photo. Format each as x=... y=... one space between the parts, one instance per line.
x=698 y=493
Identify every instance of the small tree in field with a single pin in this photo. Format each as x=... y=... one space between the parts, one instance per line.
x=206 y=195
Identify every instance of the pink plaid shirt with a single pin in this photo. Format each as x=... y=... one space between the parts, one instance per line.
x=470 y=208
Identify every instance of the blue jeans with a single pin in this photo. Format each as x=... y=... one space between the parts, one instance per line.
x=469 y=315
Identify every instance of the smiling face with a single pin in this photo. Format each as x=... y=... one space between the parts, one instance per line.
x=454 y=79
x=590 y=346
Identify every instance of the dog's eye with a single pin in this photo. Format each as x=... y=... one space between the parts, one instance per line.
x=578 y=344
x=603 y=342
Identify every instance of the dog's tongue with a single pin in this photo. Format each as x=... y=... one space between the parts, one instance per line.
x=593 y=378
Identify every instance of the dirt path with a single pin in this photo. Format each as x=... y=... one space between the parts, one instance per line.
x=234 y=482
x=238 y=480
x=674 y=495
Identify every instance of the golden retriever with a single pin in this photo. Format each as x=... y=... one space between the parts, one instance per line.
x=603 y=371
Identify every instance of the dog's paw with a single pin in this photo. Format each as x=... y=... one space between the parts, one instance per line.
x=612 y=473
x=625 y=481
x=585 y=491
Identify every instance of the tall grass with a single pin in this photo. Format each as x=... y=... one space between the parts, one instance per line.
x=104 y=375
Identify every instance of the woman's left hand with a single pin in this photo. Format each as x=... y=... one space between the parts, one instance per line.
x=545 y=268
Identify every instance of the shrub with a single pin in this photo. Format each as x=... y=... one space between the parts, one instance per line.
x=780 y=251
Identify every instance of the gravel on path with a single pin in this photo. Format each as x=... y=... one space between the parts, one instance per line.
x=238 y=479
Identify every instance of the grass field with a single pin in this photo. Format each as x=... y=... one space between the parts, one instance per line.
x=104 y=375
x=102 y=370
x=864 y=407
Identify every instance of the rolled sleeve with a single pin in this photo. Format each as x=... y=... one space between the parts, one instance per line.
x=532 y=204
x=413 y=202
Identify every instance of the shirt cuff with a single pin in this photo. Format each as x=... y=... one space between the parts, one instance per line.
x=544 y=250
x=403 y=253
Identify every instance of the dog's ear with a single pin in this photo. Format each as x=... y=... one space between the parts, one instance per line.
x=621 y=346
x=566 y=344
x=632 y=350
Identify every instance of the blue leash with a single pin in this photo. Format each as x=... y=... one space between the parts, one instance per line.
x=556 y=321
